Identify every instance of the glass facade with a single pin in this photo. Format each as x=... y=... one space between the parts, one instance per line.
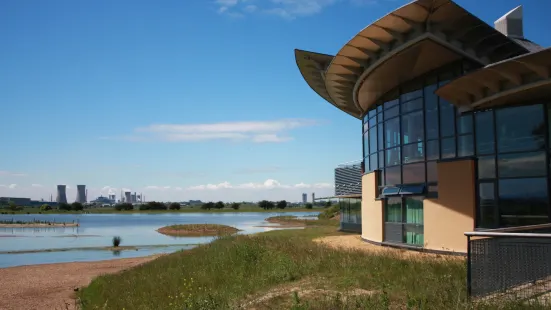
x=351 y=214
x=412 y=128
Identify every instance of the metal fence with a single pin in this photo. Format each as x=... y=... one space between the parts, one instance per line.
x=510 y=263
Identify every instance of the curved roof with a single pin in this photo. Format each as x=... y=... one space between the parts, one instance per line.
x=523 y=78
x=312 y=66
x=365 y=58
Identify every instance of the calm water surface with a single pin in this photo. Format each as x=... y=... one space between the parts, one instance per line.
x=97 y=230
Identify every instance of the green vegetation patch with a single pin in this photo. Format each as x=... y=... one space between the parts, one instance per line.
x=197 y=230
x=283 y=270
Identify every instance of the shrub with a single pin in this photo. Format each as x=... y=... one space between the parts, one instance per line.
x=328 y=203
x=282 y=204
x=116 y=241
x=330 y=212
x=174 y=206
x=45 y=207
x=77 y=206
x=153 y=205
x=219 y=205
x=235 y=205
x=309 y=206
x=124 y=206
x=208 y=206
x=266 y=205
x=64 y=206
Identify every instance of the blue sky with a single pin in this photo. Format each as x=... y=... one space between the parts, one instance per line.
x=166 y=98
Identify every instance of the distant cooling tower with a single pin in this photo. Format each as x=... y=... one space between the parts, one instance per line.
x=128 y=197
x=81 y=193
x=61 y=194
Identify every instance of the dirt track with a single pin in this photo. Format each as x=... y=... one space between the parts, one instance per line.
x=51 y=286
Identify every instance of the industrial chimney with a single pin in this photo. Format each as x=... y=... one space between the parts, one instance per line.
x=61 y=194
x=128 y=197
x=510 y=24
x=81 y=193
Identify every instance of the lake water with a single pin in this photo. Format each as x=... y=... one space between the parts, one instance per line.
x=97 y=230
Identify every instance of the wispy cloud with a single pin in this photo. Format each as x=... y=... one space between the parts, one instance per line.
x=254 y=131
x=12 y=174
x=10 y=186
x=268 y=184
x=288 y=9
x=36 y=185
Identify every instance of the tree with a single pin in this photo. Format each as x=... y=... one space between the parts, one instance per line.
x=77 y=206
x=124 y=206
x=64 y=206
x=266 y=205
x=153 y=205
x=12 y=205
x=328 y=203
x=207 y=206
x=309 y=206
x=174 y=206
x=235 y=205
x=282 y=204
x=219 y=205
x=45 y=207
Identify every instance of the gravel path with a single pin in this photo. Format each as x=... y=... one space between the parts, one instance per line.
x=51 y=286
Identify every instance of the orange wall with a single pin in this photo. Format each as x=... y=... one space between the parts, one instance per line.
x=372 y=210
x=448 y=217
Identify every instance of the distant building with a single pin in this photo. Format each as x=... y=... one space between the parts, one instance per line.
x=18 y=201
x=304 y=198
x=313 y=197
x=61 y=194
x=104 y=200
x=81 y=194
x=128 y=197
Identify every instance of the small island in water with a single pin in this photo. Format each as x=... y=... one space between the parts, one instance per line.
x=197 y=230
x=36 y=224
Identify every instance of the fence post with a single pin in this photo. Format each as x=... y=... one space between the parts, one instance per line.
x=469 y=289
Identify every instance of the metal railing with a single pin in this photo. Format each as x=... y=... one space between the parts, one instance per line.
x=510 y=263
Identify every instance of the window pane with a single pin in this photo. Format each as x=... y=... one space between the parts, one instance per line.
x=448 y=148
x=486 y=167
x=465 y=145
x=413 y=153
x=487 y=206
x=414 y=210
x=381 y=159
x=393 y=210
x=411 y=91
x=380 y=118
x=372 y=113
x=373 y=139
x=393 y=176
x=432 y=172
x=433 y=150
x=392 y=132
x=393 y=156
x=366 y=126
x=522 y=165
x=485 y=143
x=373 y=163
x=465 y=124
x=381 y=134
x=431 y=124
x=412 y=105
x=520 y=128
x=393 y=112
x=366 y=143
x=523 y=201
x=413 y=173
x=447 y=119
x=390 y=104
x=412 y=128
x=431 y=100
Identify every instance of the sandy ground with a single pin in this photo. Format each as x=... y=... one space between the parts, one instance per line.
x=355 y=242
x=52 y=286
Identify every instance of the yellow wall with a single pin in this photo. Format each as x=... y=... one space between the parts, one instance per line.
x=372 y=210
x=448 y=217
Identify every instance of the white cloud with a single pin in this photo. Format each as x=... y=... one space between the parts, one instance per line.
x=288 y=9
x=36 y=185
x=12 y=186
x=268 y=184
x=254 y=131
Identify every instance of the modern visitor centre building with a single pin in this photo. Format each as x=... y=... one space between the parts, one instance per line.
x=455 y=123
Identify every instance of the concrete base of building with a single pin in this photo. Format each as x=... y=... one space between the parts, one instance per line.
x=413 y=248
x=351 y=227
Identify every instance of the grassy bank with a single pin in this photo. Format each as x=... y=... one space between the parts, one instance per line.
x=292 y=221
x=244 y=208
x=284 y=270
x=104 y=248
x=197 y=230
x=35 y=224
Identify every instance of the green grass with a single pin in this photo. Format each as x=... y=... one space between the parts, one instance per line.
x=290 y=271
x=197 y=230
x=293 y=220
x=243 y=208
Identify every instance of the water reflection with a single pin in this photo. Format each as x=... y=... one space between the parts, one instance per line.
x=97 y=230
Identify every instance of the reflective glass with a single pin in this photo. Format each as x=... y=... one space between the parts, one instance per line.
x=484 y=133
x=448 y=148
x=380 y=138
x=393 y=157
x=447 y=119
x=486 y=167
x=373 y=139
x=392 y=132
x=393 y=175
x=412 y=105
x=520 y=128
x=431 y=100
x=523 y=201
x=487 y=212
x=413 y=153
x=412 y=129
x=366 y=143
x=465 y=146
x=431 y=124
x=372 y=113
x=522 y=165
x=391 y=103
x=381 y=159
x=392 y=112
x=393 y=210
x=373 y=163
x=465 y=124
x=372 y=121
x=413 y=173
x=432 y=172
x=433 y=150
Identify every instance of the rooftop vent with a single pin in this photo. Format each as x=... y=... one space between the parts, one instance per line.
x=510 y=24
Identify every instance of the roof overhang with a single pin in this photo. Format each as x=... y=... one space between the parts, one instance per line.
x=366 y=57
x=520 y=79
